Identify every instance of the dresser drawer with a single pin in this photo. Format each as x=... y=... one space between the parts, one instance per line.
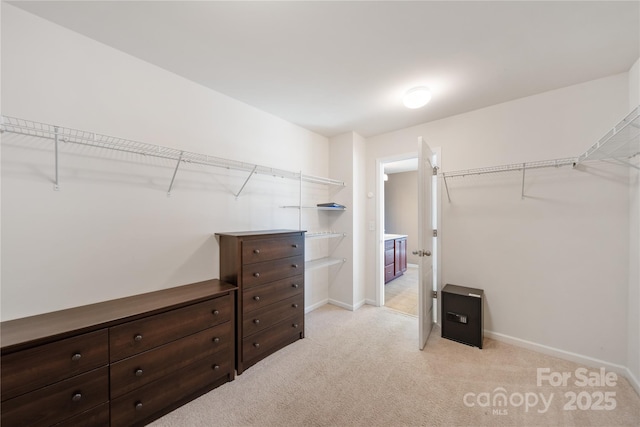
x=142 y=403
x=46 y=364
x=261 y=273
x=271 y=339
x=136 y=371
x=266 y=317
x=96 y=417
x=144 y=334
x=57 y=402
x=262 y=296
x=267 y=249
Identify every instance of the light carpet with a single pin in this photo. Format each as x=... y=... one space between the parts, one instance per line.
x=364 y=368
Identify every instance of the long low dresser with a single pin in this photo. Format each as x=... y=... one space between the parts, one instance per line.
x=123 y=362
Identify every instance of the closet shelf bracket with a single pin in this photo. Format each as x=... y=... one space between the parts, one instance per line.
x=175 y=171
x=246 y=181
x=446 y=187
x=56 y=185
x=524 y=169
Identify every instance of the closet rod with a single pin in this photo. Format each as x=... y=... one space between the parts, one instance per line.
x=92 y=139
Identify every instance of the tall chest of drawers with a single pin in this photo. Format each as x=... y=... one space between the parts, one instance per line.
x=120 y=363
x=268 y=269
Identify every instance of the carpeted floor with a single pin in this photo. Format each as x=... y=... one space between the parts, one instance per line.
x=364 y=368
x=402 y=293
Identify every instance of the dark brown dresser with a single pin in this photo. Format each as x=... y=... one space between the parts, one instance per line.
x=268 y=269
x=121 y=363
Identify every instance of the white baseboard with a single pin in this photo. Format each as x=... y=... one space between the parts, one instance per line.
x=345 y=305
x=337 y=303
x=567 y=355
x=635 y=383
x=312 y=307
x=370 y=302
x=412 y=265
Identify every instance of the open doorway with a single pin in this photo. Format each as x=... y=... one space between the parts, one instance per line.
x=397 y=217
x=401 y=234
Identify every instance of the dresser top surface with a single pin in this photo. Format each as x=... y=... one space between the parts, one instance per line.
x=259 y=233
x=41 y=328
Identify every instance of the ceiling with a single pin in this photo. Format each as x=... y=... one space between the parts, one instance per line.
x=334 y=67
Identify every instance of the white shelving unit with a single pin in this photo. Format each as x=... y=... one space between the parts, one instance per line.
x=61 y=134
x=620 y=144
x=321 y=235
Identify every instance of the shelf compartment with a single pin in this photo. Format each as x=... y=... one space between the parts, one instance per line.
x=323 y=262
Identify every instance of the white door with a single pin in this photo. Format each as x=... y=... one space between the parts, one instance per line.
x=425 y=232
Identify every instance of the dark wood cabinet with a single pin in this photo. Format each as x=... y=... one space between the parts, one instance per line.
x=268 y=269
x=395 y=256
x=122 y=362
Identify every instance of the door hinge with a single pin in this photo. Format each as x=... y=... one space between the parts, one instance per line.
x=435 y=233
x=435 y=170
x=434 y=294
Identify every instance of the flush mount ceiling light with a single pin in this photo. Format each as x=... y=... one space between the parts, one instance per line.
x=417 y=97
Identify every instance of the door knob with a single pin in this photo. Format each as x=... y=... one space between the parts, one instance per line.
x=421 y=253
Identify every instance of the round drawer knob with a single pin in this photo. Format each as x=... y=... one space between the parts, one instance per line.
x=138 y=372
x=256 y=274
x=256 y=251
x=76 y=357
x=137 y=337
x=295 y=325
x=215 y=367
x=294 y=265
x=294 y=305
x=256 y=344
x=216 y=340
x=76 y=396
x=138 y=405
x=257 y=298
x=295 y=285
x=294 y=245
x=256 y=321
x=215 y=312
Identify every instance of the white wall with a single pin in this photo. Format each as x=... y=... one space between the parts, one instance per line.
x=554 y=266
x=111 y=230
x=346 y=280
x=634 y=244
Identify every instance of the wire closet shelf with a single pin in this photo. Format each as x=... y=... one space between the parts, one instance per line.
x=620 y=144
x=69 y=135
